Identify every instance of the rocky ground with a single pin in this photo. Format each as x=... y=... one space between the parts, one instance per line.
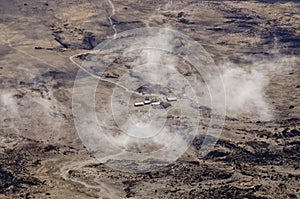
x=41 y=154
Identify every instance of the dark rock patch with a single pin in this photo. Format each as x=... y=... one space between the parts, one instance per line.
x=51 y=148
x=165 y=105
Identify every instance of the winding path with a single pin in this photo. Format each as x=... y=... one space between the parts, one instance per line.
x=113 y=12
x=96 y=76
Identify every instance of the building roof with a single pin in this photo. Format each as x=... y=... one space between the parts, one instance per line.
x=171 y=99
x=139 y=104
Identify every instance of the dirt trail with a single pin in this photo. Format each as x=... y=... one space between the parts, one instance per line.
x=110 y=18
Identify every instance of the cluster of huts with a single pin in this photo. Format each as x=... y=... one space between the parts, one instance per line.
x=154 y=102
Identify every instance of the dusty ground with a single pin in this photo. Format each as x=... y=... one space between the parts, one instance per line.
x=40 y=152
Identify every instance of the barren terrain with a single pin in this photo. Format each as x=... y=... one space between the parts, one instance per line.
x=42 y=46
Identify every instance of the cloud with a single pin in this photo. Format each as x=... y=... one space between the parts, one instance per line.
x=246 y=84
